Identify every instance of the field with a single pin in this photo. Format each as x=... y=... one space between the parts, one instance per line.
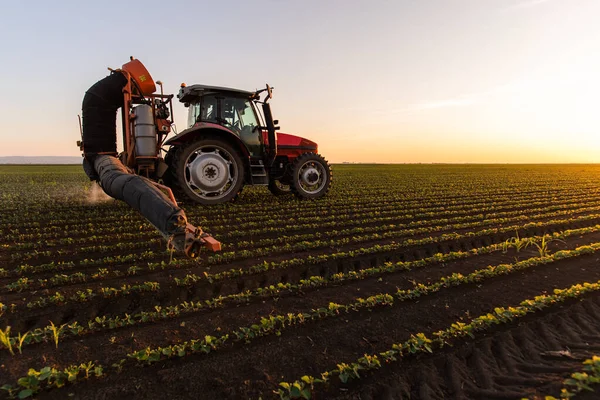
x=406 y=281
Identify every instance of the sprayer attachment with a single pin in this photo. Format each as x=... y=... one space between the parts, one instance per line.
x=158 y=208
x=191 y=240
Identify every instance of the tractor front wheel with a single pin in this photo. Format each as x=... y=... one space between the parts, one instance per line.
x=311 y=176
x=208 y=170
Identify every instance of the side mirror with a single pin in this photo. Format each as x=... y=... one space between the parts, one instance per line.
x=275 y=122
x=269 y=91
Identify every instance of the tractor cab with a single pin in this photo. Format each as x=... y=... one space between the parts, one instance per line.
x=233 y=109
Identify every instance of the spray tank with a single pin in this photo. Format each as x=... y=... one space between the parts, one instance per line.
x=144 y=132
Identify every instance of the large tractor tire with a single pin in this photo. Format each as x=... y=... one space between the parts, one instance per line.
x=277 y=188
x=168 y=177
x=311 y=176
x=208 y=170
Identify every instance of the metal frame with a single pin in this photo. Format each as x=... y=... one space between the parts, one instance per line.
x=129 y=99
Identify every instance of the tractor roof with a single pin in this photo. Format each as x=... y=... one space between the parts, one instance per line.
x=188 y=94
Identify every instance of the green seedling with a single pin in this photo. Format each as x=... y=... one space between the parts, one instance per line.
x=516 y=242
x=5 y=339
x=56 y=332
x=542 y=247
x=299 y=389
x=119 y=365
x=87 y=368
x=21 y=340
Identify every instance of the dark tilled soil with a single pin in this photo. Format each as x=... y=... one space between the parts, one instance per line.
x=528 y=359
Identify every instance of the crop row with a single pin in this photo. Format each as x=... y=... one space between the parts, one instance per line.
x=420 y=212
x=82 y=296
x=300 y=246
x=275 y=324
x=420 y=343
x=98 y=248
x=287 y=240
x=26 y=283
x=35 y=212
x=125 y=231
x=404 y=221
x=135 y=220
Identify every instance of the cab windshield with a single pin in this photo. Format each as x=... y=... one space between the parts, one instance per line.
x=234 y=113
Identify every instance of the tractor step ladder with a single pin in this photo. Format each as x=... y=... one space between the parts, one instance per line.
x=258 y=172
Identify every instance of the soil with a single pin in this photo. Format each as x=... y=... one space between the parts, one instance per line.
x=255 y=369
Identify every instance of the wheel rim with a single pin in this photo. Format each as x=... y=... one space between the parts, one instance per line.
x=211 y=172
x=312 y=177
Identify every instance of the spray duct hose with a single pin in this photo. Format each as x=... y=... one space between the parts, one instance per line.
x=99 y=109
x=142 y=195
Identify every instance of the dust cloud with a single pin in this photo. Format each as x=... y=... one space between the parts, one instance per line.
x=96 y=195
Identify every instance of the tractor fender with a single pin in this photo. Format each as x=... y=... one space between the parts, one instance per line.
x=204 y=128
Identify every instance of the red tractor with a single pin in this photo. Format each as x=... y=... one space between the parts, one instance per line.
x=229 y=144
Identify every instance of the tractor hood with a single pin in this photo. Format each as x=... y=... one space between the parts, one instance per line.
x=287 y=141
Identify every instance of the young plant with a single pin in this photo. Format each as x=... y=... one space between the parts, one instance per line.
x=170 y=249
x=21 y=340
x=516 y=242
x=5 y=339
x=119 y=365
x=56 y=331
x=87 y=368
x=542 y=247
x=299 y=389
x=133 y=270
x=348 y=371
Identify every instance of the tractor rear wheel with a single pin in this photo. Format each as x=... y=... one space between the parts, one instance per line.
x=311 y=176
x=208 y=170
x=167 y=178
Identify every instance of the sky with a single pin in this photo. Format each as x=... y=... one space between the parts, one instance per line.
x=400 y=81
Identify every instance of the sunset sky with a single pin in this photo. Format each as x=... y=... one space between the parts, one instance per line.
x=385 y=81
